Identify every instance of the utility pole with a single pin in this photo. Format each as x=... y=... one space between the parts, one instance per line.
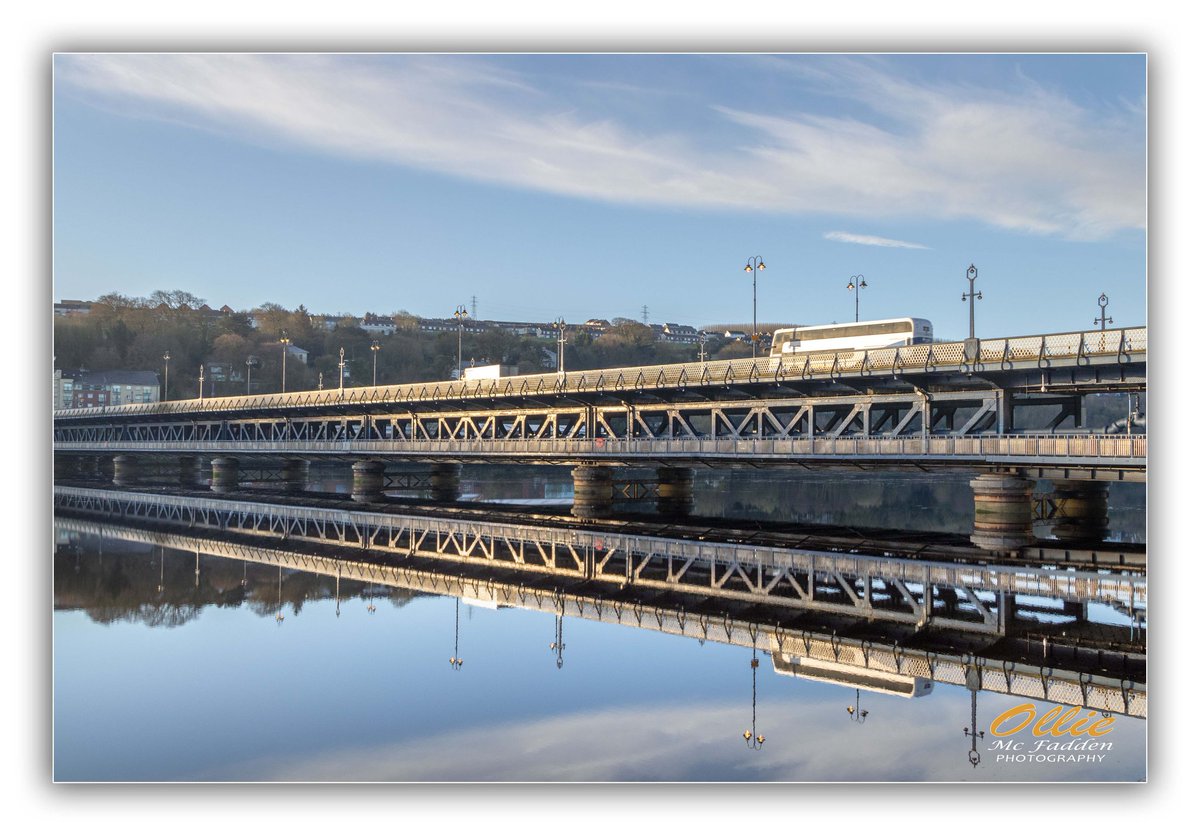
x=473 y=309
x=645 y=315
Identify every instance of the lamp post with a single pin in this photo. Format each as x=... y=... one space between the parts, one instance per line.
x=201 y=381
x=561 y=325
x=972 y=296
x=249 y=364
x=703 y=346
x=341 y=369
x=856 y=713
x=460 y=313
x=166 y=373
x=285 y=341
x=1102 y=320
x=374 y=358
x=753 y=265
x=856 y=282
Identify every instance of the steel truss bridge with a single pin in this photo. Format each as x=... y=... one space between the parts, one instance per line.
x=982 y=403
x=1024 y=629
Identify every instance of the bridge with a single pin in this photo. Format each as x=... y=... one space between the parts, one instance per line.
x=996 y=407
x=1034 y=631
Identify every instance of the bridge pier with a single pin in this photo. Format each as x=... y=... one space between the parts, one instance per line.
x=368 y=481
x=125 y=470
x=675 y=491
x=1081 y=510
x=444 y=481
x=593 y=491
x=295 y=475
x=224 y=475
x=1003 y=512
x=189 y=471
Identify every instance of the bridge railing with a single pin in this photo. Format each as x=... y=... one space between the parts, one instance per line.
x=1083 y=347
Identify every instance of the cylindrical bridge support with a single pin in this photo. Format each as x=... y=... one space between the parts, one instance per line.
x=675 y=491
x=368 y=481
x=189 y=471
x=295 y=475
x=593 y=491
x=1080 y=510
x=224 y=475
x=1003 y=512
x=444 y=481
x=125 y=470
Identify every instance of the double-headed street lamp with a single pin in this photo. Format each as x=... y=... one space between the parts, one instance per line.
x=1102 y=320
x=753 y=265
x=286 y=341
x=972 y=273
x=561 y=325
x=341 y=369
x=856 y=282
x=374 y=357
x=201 y=381
x=460 y=313
x=166 y=373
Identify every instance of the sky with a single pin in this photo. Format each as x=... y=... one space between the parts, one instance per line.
x=529 y=187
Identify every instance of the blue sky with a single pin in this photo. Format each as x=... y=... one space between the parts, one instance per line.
x=591 y=185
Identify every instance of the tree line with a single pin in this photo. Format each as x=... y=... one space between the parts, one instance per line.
x=134 y=334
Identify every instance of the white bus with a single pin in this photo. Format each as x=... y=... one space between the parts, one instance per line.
x=880 y=333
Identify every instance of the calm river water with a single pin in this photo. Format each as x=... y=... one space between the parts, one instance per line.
x=177 y=664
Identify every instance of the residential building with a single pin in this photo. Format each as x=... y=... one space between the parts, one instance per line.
x=382 y=325
x=113 y=388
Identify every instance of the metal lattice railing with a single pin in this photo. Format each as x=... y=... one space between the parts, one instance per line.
x=1118 y=346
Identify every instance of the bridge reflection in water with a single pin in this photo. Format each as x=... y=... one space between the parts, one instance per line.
x=865 y=618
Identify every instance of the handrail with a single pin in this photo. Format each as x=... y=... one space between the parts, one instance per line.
x=1042 y=348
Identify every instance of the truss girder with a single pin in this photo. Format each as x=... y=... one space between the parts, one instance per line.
x=821 y=581
x=606 y=604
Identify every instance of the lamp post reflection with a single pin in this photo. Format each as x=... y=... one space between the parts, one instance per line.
x=456 y=661
x=856 y=712
x=557 y=645
x=753 y=739
x=279 y=599
x=974 y=681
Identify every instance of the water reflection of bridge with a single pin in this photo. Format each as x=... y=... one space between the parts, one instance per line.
x=1023 y=630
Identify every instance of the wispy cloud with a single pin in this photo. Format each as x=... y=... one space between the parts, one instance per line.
x=697 y=742
x=871 y=240
x=1034 y=161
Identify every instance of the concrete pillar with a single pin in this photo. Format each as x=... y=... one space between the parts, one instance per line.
x=675 y=491
x=224 y=475
x=593 y=491
x=444 y=481
x=125 y=470
x=295 y=475
x=1003 y=513
x=189 y=471
x=1081 y=510
x=90 y=467
x=368 y=481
